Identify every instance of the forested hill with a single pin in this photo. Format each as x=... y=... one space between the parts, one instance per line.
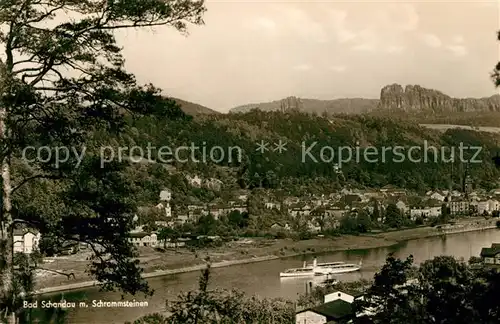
x=291 y=169
x=191 y=108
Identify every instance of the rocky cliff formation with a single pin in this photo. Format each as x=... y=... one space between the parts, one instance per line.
x=414 y=98
x=411 y=99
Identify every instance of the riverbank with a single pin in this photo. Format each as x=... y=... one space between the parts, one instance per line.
x=247 y=251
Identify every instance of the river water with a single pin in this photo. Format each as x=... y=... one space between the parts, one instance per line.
x=262 y=278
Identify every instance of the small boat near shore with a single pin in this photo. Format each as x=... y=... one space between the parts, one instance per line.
x=327 y=282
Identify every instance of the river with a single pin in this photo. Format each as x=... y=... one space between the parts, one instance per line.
x=262 y=278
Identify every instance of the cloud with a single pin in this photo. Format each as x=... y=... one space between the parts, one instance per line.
x=394 y=49
x=264 y=24
x=412 y=18
x=338 y=68
x=457 y=50
x=338 y=20
x=302 y=24
x=458 y=39
x=344 y=35
x=431 y=40
x=384 y=31
x=366 y=41
x=398 y=17
x=405 y=16
x=302 y=67
x=337 y=17
x=364 y=47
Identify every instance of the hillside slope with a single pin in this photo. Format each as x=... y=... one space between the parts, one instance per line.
x=243 y=166
x=194 y=109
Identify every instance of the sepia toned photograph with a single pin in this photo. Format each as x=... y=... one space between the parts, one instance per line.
x=249 y=162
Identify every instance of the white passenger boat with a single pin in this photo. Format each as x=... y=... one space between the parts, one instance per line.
x=298 y=272
x=334 y=267
x=320 y=269
x=305 y=271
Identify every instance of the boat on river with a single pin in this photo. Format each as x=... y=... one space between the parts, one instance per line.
x=321 y=269
x=298 y=272
x=327 y=282
x=328 y=268
x=305 y=271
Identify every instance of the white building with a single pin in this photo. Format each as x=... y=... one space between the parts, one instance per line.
x=491 y=255
x=26 y=241
x=272 y=205
x=425 y=212
x=143 y=239
x=438 y=196
x=487 y=206
x=402 y=206
x=339 y=295
x=195 y=181
x=483 y=207
x=493 y=205
x=166 y=197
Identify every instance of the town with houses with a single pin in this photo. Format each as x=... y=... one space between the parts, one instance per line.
x=337 y=306
x=332 y=207
x=335 y=206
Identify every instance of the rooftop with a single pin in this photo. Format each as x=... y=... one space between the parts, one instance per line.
x=139 y=234
x=21 y=232
x=491 y=251
x=351 y=292
x=336 y=310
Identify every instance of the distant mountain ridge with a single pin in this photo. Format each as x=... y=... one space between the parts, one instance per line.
x=194 y=109
x=412 y=98
x=343 y=105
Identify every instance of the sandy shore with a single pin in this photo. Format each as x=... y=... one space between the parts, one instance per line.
x=173 y=262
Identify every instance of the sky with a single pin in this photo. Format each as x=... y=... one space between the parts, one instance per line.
x=259 y=51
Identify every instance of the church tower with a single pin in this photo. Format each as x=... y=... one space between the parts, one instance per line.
x=467 y=182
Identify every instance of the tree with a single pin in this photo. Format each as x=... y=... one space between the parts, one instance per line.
x=42 y=104
x=445 y=213
x=441 y=290
x=222 y=306
x=207 y=225
x=376 y=211
x=168 y=234
x=363 y=221
x=496 y=79
x=237 y=219
x=270 y=180
x=393 y=216
x=445 y=276
x=321 y=221
x=349 y=224
x=384 y=295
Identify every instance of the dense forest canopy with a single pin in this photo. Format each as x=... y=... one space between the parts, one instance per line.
x=291 y=168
